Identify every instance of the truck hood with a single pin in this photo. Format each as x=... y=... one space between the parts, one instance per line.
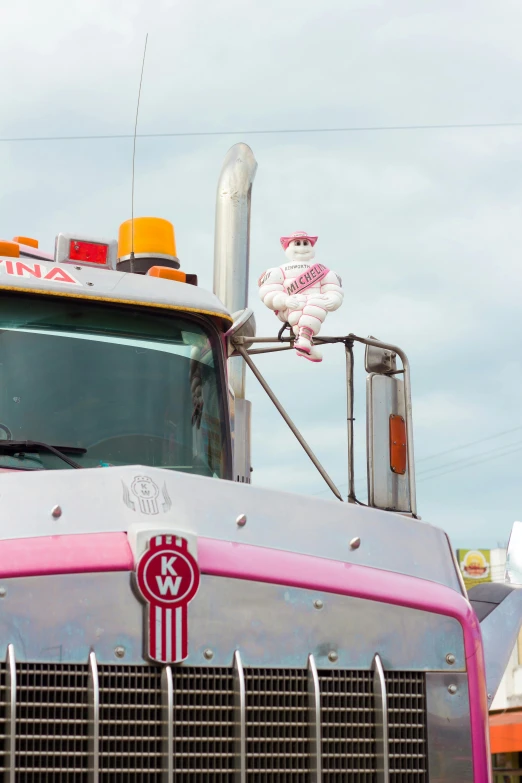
x=116 y=499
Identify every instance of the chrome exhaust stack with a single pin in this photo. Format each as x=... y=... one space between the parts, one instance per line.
x=231 y=267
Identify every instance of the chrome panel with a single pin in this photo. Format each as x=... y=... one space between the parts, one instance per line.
x=387 y=490
x=242 y=440
x=10 y=763
x=94 y=719
x=271 y=625
x=448 y=727
x=381 y=722
x=167 y=687
x=92 y=502
x=499 y=635
x=240 y=718
x=314 y=693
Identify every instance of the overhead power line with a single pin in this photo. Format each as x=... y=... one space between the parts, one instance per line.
x=266 y=132
x=459 y=464
x=470 y=443
x=469 y=462
x=463 y=460
x=473 y=463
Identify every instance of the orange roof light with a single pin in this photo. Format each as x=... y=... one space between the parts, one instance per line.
x=11 y=249
x=167 y=273
x=27 y=241
x=152 y=237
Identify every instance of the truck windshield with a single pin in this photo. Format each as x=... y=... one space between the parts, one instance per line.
x=130 y=386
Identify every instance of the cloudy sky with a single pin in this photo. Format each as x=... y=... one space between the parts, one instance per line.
x=424 y=226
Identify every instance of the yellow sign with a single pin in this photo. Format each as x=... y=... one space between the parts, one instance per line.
x=475 y=565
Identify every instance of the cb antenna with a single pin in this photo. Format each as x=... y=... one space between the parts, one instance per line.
x=134 y=147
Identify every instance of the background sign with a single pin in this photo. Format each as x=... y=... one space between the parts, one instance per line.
x=475 y=566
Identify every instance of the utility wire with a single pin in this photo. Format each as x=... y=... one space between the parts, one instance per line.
x=269 y=131
x=458 y=462
x=470 y=443
x=472 y=464
x=467 y=459
x=469 y=463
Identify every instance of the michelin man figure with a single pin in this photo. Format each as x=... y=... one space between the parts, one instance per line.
x=301 y=292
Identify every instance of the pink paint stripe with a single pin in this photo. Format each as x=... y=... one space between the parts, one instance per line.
x=74 y=554
x=111 y=552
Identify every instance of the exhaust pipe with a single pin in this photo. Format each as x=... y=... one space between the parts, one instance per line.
x=232 y=242
x=231 y=262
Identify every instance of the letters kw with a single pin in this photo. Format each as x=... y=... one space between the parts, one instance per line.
x=167 y=586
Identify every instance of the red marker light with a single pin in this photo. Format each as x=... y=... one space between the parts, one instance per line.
x=88 y=252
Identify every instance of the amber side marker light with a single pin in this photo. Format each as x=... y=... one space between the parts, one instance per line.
x=397 y=444
x=11 y=249
x=167 y=273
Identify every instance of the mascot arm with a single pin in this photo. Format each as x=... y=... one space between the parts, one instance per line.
x=272 y=290
x=332 y=292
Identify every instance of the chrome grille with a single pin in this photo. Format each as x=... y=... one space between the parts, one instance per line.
x=203 y=725
x=277 y=736
x=54 y=725
x=130 y=723
x=348 y=746
x=52 y=733
x=407 y=726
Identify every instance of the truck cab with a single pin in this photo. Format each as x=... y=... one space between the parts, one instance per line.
x=163 y=619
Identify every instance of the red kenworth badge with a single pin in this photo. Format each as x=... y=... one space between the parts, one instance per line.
x=168 y=579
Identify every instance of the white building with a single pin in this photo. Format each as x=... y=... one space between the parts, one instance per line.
x=506 y=710
x=509 y=694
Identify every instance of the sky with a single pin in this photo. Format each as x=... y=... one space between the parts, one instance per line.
x=424 y=226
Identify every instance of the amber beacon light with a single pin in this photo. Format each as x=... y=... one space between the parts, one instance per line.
x=145 y=241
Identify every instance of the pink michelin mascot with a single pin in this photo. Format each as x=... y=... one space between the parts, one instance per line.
x=301 y=292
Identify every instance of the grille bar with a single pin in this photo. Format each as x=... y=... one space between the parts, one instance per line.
x=167 y=683
x=71 y=723
x=94 y=719
x=240 y=717
x=11 y=713
x=381 y=721
x=314 y=694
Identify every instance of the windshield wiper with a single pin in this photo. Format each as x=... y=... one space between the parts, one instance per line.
x=27 y=446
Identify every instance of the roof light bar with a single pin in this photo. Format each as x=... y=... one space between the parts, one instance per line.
x=86 y=251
